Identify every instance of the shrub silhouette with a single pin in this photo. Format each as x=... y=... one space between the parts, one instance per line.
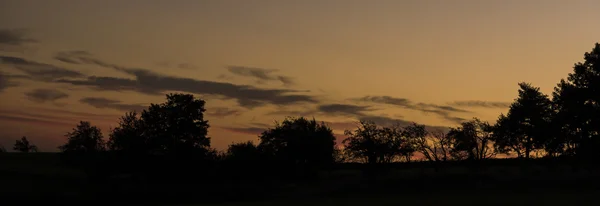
x=473 y=140
x=84 y=138
x=23 y=145
x=373 y=144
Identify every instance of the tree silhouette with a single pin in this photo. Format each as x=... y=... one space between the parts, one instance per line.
x=2 y=149
x=340 y=154
x=84 y=138
x=409 y=138
x=128 y=135
x=577 y=102
x=243 y=152
x=174 y=127
x=24 y=145
x=525 y=127
x=435 y=147
x=374 y=144
x=164 y=141
x=299 y=141
x=472 y=140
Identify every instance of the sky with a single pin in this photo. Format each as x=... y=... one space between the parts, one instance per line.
x=432 y=62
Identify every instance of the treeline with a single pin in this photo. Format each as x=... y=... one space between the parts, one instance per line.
x=173 y=135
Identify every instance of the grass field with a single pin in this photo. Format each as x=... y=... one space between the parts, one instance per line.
x=40 y=176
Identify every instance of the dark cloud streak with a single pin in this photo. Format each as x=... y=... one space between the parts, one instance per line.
x=485 y=104
x=343 y=109
x=14 y=37
x=223 y=112
x=6 y=81
x=358 y=112
x=260 y=74
x=39 y=71
x=71 y=57
x=245 y=130
x=45 y=95
x=153 y=83
x=440 y=110
x=102 y=103
x=32 y=120
x=109 y=84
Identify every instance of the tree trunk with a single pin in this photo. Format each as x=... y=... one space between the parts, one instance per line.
x=372 y=159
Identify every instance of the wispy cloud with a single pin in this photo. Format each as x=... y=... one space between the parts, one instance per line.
x=15 y=37
x=36 y=117
x=221 y=112
x=39 y=71
x=32 y=120
x=443 y=111
x=69 y=113
x=6 y=82
x=109 y=84
x=260 y=74
x=293 y=113
x=154 y=83
x=343 y=109
x=45 y=95
x=245 y=130
x=485 y=104
x=102 y=103
x=72 y=57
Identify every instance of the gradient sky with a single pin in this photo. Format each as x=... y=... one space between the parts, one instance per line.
x=434 y=62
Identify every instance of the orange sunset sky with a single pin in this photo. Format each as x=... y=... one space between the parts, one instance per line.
x=434 y=62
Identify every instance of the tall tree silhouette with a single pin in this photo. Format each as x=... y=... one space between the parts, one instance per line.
x=577 y=101
x=299 y=141
x=2 y=149
x=472 y=140
x=24 y=145
x=84 y=138
x=525 y=127
x=374 y=144
x=176 y=126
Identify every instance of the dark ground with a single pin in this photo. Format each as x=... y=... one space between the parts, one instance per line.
x=39 y=177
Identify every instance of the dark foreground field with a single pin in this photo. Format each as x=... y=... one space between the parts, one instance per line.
x=467 y=198
x=29 y=178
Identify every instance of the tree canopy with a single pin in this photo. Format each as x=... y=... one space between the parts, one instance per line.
x=525 y=127
x=176 y=126
x=374 y=144
x=299 y=141
x=472 y=140
x=577 y=102
x=84 y=138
